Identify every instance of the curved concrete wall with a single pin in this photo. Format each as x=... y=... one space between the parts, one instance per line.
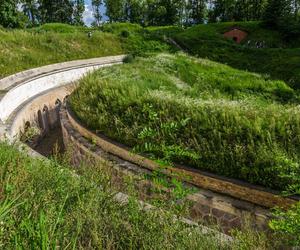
x=24 y=91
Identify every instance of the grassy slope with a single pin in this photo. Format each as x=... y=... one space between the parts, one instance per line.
x=207 y=41
x=52 y=43
x=46 y=206
x=196 y=112
x=43 y=205
x=20 y=50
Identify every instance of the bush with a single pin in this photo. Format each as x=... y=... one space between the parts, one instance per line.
x=128 y=59
x=198 y=113
x=125 y=33
x=287 y=224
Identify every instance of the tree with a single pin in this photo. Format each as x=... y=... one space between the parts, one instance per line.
x=97 y=4
x=172 y=11
x=78 y=9
x=115 y=10
x=296 y=7
x=223 y=10
x=30 y=9
x=257 y=8
x=10 y=16
x=60 y=11
x=136 y=11
x=196 y=9
x=276 y=11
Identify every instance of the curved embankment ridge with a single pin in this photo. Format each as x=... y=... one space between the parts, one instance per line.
x=250 y=193
x=35 y=97
x=29 y=96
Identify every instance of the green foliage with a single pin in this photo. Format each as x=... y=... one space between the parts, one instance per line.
x=56 y=11
x=52 y=43
x=237 y=10
x=287 y=223
x=156 y=12
x=207 y=41
x=276 y=10
x=44 y=205
x=196 y=112
x=137 y=40
x=128 y=59
x=10 y=16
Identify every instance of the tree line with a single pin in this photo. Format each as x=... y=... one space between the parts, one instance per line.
x=19 y=13
x=276 y=13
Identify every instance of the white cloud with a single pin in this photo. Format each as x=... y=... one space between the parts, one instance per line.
x=88 y=17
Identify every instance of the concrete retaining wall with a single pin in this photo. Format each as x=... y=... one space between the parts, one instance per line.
x=38 y=90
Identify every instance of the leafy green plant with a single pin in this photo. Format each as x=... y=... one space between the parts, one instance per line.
x=287 y=224
x=30 y=133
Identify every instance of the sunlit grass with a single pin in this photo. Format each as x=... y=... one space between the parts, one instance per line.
x=198 y=113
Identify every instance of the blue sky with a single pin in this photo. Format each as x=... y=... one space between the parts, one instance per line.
x=88 y=14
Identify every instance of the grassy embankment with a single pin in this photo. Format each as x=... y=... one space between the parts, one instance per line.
x=199 y=113
x=52 y=43
x=46 y=206
x=280 y=58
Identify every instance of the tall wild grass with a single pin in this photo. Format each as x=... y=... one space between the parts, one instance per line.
x=198 y=113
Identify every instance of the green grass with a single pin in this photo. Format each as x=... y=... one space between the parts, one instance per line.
x=198 y=113
x=280 y=59
x=139 y=41
x=53 y=43
x=46 y=206
x=25 y=49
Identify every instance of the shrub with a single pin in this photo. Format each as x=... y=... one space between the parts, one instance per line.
x=196 y=112
x=287 y=224
x=128 y=59
x=125 y=33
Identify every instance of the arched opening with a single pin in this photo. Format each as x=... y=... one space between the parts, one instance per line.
x=45 y=109
x=57 y=102
x=27 y=126
x=66 y=97
x=40 y=120
x=45 y=116
x=235 y=39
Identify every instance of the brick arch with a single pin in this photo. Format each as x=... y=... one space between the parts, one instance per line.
x=236 y=34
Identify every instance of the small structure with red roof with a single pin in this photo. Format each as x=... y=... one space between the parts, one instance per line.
x=236 y=34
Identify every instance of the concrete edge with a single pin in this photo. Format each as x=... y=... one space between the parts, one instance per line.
x=10 y=81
